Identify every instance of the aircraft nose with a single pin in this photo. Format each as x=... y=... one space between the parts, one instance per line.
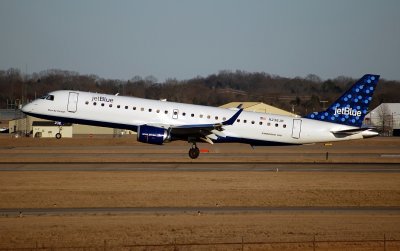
x=27 y=108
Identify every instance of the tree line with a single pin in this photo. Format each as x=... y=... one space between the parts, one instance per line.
x=303 y=95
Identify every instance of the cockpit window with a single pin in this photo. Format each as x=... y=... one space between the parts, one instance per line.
x=47 y=97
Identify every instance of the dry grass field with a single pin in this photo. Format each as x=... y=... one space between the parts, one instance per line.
x=119 y=231
x=197 y=189
x=269 y=230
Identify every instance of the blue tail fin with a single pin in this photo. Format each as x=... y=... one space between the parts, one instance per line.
x=351 y=108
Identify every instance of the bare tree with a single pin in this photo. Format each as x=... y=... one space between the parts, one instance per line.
x=384 y=123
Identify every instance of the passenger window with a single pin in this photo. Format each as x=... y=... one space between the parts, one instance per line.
x=201 y=116
x=94 y=103
x=276 y=125
x=87 y=102
x=260 y=123
x=118 y=106
x=208 y=116
x=158 y=111
x=102 y=104
x=166 y=112
x=238 y=120
x=284 y=126
x=223 y=119
x=192 y=115
x=184 y=114
x=245 y=121
x=126 y=107
x=134 y=108
x=142 y=109
x=252 y=122
x=150 y=109
x=216 y=117
x=110 y=105
x=268 y=124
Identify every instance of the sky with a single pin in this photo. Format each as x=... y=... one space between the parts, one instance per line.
x=184 y=39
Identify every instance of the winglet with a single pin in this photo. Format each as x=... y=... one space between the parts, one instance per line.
x=233 y=118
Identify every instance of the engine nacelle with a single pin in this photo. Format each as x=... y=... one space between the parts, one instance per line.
x=152 y=135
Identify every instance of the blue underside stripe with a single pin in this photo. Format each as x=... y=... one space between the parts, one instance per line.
x=252 y=142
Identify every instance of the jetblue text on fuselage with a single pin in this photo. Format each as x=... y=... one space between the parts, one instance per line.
x=347 y=111
x=102 y=99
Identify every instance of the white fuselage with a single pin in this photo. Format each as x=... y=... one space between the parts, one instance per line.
x=129 y=113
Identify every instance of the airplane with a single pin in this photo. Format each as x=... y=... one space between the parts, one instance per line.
x=160 y=121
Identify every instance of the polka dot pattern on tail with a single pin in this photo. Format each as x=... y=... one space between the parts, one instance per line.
x=351 y=107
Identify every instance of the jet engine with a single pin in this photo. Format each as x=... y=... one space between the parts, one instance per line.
x=153 y=135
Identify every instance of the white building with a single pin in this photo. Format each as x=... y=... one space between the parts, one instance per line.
x=25 y=125
x=386 y=117
x=50 y=129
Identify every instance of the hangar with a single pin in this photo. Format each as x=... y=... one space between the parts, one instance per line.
x=258 y=107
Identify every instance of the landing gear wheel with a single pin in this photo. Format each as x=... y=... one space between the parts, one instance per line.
x=58 y=135
x=194 y=152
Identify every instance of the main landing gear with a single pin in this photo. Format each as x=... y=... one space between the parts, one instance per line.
x=194 y=151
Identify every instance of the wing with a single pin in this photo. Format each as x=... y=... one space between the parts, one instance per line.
x=206 y=132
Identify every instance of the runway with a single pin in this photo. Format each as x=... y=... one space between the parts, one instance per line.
x=126 y=150
x=204 y=167
x=14 y=212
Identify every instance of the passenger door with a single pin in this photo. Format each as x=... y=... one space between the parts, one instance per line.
x=296 y=130
x=72 y=102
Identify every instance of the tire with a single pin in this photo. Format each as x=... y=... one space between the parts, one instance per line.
x=58 y=135
x=194 y=153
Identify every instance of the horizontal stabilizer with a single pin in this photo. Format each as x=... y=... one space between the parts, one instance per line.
x=348 y=131
x=366 y=132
